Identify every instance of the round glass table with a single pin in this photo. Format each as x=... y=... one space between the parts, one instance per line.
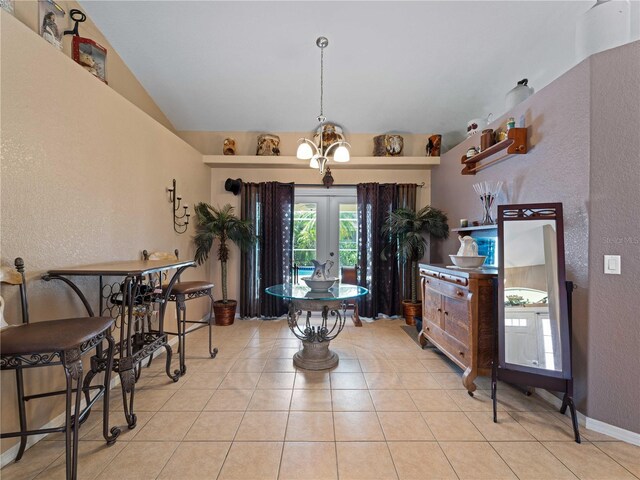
x=316 y=333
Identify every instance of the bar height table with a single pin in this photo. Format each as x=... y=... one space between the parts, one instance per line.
x=316 y=336
x=142 y=281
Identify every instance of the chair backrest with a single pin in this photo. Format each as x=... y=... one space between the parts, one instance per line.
x=15 y=276
x=349 y=275
x=146 y=255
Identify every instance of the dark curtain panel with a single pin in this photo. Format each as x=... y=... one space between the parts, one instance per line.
x=387 y=281
x=269 y=205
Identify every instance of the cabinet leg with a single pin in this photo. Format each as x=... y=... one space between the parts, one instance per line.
x=467 y=380
x=422 y=339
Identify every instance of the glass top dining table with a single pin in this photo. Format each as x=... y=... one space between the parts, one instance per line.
x=342 y=291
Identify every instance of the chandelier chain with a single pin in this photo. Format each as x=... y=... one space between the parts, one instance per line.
x=321 y=81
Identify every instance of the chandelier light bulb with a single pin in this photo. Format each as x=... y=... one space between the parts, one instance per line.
x=341 y=154
x=304 y=151
x=314 y=162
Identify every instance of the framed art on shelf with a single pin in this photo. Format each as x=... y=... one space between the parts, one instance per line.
x=91 y=56
x=51 y=15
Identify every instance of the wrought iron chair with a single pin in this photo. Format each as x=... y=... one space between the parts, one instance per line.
x=181 y=293
x=50 y=343
x=348 y=275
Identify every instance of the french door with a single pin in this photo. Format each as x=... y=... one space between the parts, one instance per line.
x=325 y=228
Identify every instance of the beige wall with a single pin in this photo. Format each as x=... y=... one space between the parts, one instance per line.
x=119 y=76
x=220 y=197
x=81 y=182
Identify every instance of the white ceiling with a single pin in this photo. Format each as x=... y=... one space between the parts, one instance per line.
x=407 y=67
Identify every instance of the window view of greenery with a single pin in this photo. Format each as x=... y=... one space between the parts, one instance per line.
x=304 y=233
x=348 y=240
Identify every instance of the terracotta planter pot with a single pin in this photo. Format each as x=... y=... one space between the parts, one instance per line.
x=225 y=313
x=410 y=311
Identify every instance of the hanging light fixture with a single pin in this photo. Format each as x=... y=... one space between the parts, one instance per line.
x=318 y=155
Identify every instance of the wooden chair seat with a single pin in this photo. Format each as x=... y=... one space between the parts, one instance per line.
x=52 y=336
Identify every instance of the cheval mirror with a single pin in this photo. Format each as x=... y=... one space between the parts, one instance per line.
x=534 y=303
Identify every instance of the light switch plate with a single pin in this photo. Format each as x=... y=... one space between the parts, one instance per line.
x=612 y=264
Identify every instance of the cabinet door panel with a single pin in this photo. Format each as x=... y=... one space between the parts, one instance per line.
x=432 y=305
x=456 y=319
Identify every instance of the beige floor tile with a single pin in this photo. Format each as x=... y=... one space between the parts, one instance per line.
x=309 y=461
x=480 y=402
x=252 y=461
x=279 y=365
x=311 y=400
x=357 y=427
x=418 y=381
x=278 y=399
x=214 y=426
x=449 y=381
x=407 y=365
x=435 y=365
x=375 y=365
x=249 y=365
x=399 y=426
x=625 y=454
x=36 y=459
x=383 y=381
x=544 y=426
x=506 y=430
x=587 y=462
x=351 y=401
x=187 y=401
x=166 y=427
x=365 y=461
x=421 y=461
x=433 y=401
x=159 y=381
x=279 y=352
x=116 y=419
x=236 y=381
x=208 y=365
x=202 y=380
x=236 y=400
x=139 y=460
x=347 y=365
x=476 y=460
x=262 y=426
x=514 y=400
x=147 y=400
x=312 y=380
x=392 y=401
x=310 y=427
x=347 y=381
x=93 y=457
x=253 y=353
x=288 y=343
x=195 y=461
x=532 y=461
x=451 y=427
x=272 y=380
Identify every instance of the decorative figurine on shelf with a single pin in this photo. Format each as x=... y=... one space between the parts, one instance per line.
x=50 y=13
x=520 y=92
x=472 y=152
x=511 y=123
x=330 y=132
x=321 y=270
x=268 y=145
x=387 y=145
x=477 y=124
x=468 y=247
x=229 y=146
x=433 y=145
x=327 y=180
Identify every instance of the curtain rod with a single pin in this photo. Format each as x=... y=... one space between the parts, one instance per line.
x=320 y=185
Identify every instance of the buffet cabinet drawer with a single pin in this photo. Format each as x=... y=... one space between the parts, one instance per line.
x=446 y=289
x=456 y=350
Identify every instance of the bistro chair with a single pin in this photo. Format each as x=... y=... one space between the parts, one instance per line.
x=348 y=275
x=180 y=294
x=52 y=343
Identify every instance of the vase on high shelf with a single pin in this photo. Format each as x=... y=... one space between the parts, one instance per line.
x=487 y=192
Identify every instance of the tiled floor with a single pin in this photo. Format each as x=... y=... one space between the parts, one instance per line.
x=388 y=411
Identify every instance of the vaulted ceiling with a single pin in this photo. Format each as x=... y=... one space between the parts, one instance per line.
x=407 y=67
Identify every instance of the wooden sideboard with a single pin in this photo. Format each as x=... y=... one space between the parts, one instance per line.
x=458 y=316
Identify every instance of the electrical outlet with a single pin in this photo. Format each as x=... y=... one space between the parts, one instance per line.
x=612 y=264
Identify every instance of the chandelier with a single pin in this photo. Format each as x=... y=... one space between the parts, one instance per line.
x=318 y=155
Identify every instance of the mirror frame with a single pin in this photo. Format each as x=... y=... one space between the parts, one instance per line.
x=523 y=213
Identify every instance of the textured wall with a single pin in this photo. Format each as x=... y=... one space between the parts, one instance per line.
x=83 y=176
x=556 y=169
x=614 y=328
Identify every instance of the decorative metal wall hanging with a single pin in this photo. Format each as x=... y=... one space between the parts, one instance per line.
x=233 y=186
x=180 y=221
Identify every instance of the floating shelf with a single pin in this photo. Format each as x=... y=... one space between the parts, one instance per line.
x=515 y=143
x=361 y=163
x=471 y=229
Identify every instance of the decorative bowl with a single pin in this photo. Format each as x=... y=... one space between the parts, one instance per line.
x=468 y=261
x=319 y=285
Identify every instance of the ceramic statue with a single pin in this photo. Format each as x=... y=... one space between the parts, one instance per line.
x=321 y=270
x=468 y=247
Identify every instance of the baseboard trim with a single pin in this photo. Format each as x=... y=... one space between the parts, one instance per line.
x=10 y=454
x=591 y=423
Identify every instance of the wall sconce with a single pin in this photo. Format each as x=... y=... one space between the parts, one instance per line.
x=180 y=222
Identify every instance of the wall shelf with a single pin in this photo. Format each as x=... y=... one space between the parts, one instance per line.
x=515 y=143
x=356 y=163
x=471 y=229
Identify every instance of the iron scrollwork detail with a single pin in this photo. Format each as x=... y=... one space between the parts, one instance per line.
x=29 y=360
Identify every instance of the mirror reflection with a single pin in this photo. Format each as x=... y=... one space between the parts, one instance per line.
x=531 y=289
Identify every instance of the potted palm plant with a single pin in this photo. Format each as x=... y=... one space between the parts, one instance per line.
x=221 y=224
x=404 y=228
